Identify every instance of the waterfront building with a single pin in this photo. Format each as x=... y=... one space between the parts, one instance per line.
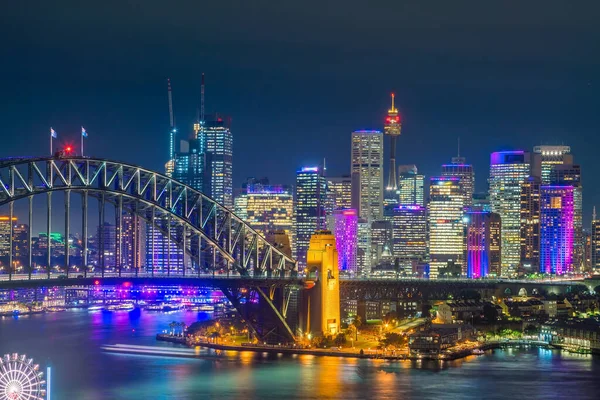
x=483 y=244
x=218 y=140
x=545 y=158
x=574 y=334
x=344 y=225
x=446 y=227
x=410 y=186
x=530 y=224
x=309 y=209
x=5 y=232
x=339 y=193
x=508 y=172
x=367 y=174
x=556 y=229
x=409 y=232
x=460 y=169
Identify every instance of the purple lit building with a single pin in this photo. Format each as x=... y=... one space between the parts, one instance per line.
x=556 y=229
x=344 y=224
x=483 y=244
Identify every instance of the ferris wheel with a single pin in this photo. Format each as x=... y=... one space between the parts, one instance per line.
x=21 y=379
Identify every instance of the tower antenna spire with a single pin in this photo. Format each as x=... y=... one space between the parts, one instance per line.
x=458 y=152
x=202 y=100
x=170 y=95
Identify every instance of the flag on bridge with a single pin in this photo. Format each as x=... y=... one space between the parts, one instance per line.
x=53 y=133
x=83 y=132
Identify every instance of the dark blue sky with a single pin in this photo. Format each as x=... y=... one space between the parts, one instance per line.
x=298 y=77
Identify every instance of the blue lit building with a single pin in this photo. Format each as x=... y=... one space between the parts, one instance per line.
x=309 y=209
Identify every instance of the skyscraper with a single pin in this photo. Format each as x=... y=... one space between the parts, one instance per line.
x=219 y=157
x=367 y=174
x=530 y=224
x=133 y=241
x=446 y=228
x=556 y=229
x=339 y=193
x=363 y=254
x=381 y=239
x=545 y=158
x=392 y=129
x=189 y=163
x=5 y=229
x=309 y=213
x=410 y=235
x=595 y=242
x=508 y=171
x=270 y=208
x=483 y=244
x=344 y=224
x=569 y=174
x=464 y=171
x=163 y=255
x=410 y=186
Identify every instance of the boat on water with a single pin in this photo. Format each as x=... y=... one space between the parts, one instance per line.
x=120 y=307
x=478 y=352
x=95 y=308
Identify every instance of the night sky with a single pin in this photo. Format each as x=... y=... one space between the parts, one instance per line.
x=298 y=76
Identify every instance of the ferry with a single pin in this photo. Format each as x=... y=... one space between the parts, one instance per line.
x=478 y=352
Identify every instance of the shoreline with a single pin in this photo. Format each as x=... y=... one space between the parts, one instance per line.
x=345 y=354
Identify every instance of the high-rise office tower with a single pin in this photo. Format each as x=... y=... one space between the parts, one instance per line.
x=569 y=174
x=595 y=242
x=344 y=225
x=309 y=209
x=530 y=224
x=219 y=156
x=481 y=202
x=270 y=208
x=133 y=241
x=189 y=164
x=5 y=227
x=464 y=171
x=483 y=244
x=367 y=174
x=545 y=158
x=339 y=193
x=508 y=172
x=410 y=186
x=392 y=129
x=446 y=227
x=381 y=239
x=21 y=241
x=164 y=255
x=107 y=235
x=363 y=254
x=409 y=232
x=556 y=229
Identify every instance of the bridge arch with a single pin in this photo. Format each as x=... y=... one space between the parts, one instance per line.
x=205 y=228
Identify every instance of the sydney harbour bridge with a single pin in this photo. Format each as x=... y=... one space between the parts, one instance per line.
x=259 y=280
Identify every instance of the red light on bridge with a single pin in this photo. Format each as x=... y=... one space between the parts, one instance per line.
x=127 y=284
x=96 y=282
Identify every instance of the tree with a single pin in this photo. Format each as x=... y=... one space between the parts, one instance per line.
x=340 y=340
x=490 y=313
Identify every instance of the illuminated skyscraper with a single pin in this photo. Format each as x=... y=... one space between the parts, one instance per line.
x=381 y=240
x=5 y=224
x=410 y=235
x=446 y=227
x=545 y=158
x=481 y=202
x=392 y=129
x=270 y=209
x=339 y=193
x=107 y=236
x=367 y=174
x=483 y=244
x=309 y=209
x=133 y=241
x=162 y=255
x=219 y=155
x=464 y=171
x=410 y=186
x=595 y=242
x=363 y=255
x=189 y=164
x=530 y=224
x=344 y=224
x=508 y=171
x=570 y=175
x=556 y=229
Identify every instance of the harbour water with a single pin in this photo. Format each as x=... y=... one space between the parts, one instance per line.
x=71 y=342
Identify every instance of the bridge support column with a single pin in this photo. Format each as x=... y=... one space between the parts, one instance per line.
x=48 y=231
x=10 y=240
x=101 y=236
x=30 y=236
x=67 y=229
x=84 y=230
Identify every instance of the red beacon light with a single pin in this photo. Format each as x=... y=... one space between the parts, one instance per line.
x=96 y=282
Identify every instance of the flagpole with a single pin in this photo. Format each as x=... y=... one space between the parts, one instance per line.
x=82 y=145
x=50 y=143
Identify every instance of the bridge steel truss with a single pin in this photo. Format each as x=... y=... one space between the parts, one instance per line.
x=216 y=240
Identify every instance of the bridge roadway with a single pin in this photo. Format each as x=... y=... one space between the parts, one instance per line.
x=350 y=289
